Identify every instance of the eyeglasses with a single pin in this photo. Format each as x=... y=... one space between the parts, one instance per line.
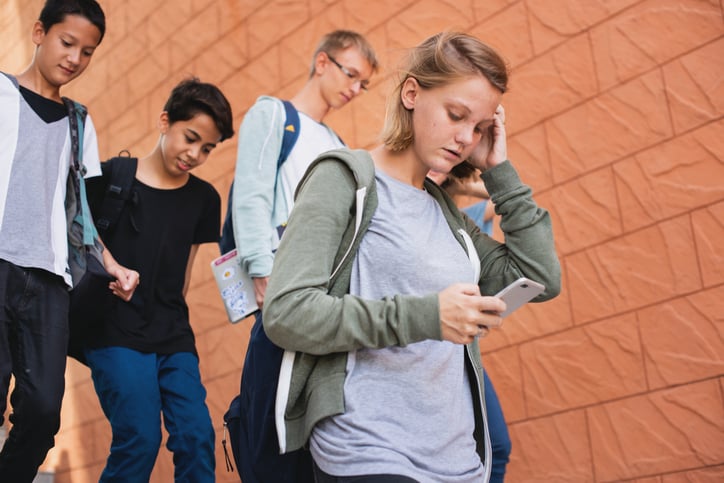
x=363 y=84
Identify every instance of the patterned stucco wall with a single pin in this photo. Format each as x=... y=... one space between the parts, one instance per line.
x=616 y=119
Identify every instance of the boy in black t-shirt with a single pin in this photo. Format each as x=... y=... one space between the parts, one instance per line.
x=143 y=358
x=35 y=277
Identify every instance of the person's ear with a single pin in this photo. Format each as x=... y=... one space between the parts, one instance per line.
x=38 y=32
x=163 y=122
x=408 y=93
x=321 y=61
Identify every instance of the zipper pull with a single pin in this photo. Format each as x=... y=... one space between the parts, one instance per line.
x=227 y=460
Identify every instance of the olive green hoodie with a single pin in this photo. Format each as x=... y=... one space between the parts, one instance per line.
x=310 y=314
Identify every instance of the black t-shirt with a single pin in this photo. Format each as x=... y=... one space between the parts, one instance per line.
x=153 y=236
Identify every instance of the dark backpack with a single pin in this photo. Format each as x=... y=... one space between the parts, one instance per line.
x=83 y=316
x=120 y=172
x=249 y=423
x=291 y=133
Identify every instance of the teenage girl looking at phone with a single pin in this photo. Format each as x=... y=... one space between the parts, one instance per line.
x=381 y=288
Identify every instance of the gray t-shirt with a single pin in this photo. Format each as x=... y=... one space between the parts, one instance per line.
x=34 y=166
x=408 y=410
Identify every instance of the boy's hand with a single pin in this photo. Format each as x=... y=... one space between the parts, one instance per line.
x=260 y=284
x=126 y=280
x=125 y=283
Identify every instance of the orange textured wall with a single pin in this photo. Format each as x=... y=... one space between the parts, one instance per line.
x=616 y=119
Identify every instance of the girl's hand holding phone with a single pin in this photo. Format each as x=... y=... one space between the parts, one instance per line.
x=465 y=314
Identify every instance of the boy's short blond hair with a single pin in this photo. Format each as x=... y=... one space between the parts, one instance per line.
x=339 y=40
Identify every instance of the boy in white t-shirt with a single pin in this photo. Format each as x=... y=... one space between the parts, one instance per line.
x=263 y=196
x=34 y=273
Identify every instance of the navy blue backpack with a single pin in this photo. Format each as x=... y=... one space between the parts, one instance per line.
x=249 y=421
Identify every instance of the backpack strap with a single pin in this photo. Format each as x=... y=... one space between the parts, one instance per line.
x=76 y=119
x=120 y=171
x=291 y=132
x=77 y=113
x=289 y=139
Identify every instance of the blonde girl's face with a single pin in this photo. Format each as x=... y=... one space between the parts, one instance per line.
x=450 y=120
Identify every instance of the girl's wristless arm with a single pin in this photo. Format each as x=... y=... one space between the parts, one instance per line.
x=529 y=249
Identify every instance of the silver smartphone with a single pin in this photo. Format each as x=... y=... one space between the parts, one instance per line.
x=519 y=293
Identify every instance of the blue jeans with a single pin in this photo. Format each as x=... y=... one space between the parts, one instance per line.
x=33 y=345
x=134 y=389
x=499 y=436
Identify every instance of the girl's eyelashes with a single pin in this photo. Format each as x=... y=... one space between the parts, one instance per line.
x=454 y=117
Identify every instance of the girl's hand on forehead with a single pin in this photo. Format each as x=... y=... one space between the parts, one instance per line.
x=492 y=148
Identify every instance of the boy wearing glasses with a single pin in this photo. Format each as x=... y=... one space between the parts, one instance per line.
x=262 y=199
x=263 y=195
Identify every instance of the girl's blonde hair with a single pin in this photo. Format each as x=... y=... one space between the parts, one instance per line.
x=441 y=59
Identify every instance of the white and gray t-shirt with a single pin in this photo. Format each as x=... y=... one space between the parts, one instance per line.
x=408 y=410
x=34 y=167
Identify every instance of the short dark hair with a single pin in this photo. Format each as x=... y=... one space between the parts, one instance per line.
x=461 y=171
x=55 y=12
x=191 y=97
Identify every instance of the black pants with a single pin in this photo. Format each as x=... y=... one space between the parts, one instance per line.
x=33 y=346
x=322 y=477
